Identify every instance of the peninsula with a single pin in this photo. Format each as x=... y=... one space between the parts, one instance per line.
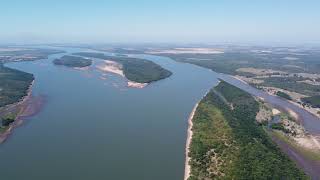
x=228 y=142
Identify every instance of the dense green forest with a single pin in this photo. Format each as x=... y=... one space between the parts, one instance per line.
x=73 y=61
x=13 y=85
x=227 y=143
x=137 y=70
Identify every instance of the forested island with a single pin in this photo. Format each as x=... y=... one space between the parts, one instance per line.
x=73 y=61
x=134 y=69
x=228 y=142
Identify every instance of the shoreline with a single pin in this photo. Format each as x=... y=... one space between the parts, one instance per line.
x=116 y=68
x=5 y=134
x=310 y=110
x=187 y=168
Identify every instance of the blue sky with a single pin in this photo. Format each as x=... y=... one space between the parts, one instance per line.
x=288 y=21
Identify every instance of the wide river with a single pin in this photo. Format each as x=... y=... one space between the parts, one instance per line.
x=96 y=128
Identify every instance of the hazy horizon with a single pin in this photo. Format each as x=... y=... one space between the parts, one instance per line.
x=268 y=22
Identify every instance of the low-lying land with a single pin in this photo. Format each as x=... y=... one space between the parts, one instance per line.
x=13 y=54
x=73 y=61
x=134 y=69
x=280 y=70
x=228 y=143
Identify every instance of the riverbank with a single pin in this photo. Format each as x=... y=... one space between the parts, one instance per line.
x=19 y=108
x=225 y=135
x=296 y=99
x=187 y=167
x=116 y=68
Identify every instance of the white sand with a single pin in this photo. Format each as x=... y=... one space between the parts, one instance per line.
x=275 y=111
x=136 y=85
x=112 y=67
x=187 y=167
x=116 y=68
x=309 y=142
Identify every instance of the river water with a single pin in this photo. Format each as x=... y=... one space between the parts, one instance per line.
x=97 y=128
x=93 y=128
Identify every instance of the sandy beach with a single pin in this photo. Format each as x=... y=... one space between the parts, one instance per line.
x=116 y=68
x=187 y=167
x=136 y=85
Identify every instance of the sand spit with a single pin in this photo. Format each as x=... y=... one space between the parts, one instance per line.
x=111 y=67
x=116 y=68
x=136 y=85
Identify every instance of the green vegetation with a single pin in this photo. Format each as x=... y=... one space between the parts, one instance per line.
x=73 y=61
x=14 y=85
x=8 y=119
x=292 y=84
x=137 y=70
x=314 y=101
x=307 y=61
x=280 y=127
x=283 y=95
x=277 y=59
x=228 y=143
x=25 y=54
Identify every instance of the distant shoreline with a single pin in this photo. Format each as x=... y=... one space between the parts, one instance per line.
x=187 y=167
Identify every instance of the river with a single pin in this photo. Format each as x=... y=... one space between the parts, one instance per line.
x=93 y=128
x=97 y=128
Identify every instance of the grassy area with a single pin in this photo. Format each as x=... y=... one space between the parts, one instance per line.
x=283 y=95
x=314 y=101
x=137 y=70
x=228 y=143
x=73 y=61
x=13 y=85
